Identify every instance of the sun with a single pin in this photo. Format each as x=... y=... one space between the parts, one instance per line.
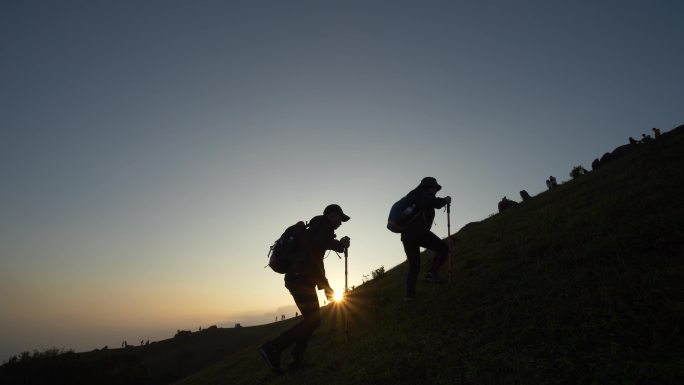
x=338 y=296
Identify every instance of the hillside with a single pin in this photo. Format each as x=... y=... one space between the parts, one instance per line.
x=158 y=363
x=584 y=284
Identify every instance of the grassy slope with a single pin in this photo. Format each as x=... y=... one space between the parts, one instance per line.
x=176 y=358
x=157 y=363
x=582 y=285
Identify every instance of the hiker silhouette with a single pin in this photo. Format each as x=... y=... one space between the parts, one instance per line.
x=304 y=276
x=595 y=164
x=506 y=204
x=551 y=182
x=417 y=234
x=525 y=195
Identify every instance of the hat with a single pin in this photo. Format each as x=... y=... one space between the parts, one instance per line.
x=429 y=182
x=336 y=209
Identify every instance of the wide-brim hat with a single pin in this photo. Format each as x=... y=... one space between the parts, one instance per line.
x=333 y=208
x=430 y=182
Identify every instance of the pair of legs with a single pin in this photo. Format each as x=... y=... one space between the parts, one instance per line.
x=412 y=244
x=305 y=297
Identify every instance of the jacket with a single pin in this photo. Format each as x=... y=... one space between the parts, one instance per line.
x=308 y=266
x=426 y=203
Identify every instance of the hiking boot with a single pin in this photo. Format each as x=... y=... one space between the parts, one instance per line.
x=434 y=278
x=272 y=357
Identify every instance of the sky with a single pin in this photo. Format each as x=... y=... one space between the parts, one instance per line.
x=151 y=151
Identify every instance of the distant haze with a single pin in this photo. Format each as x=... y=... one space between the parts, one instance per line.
x=150 y=152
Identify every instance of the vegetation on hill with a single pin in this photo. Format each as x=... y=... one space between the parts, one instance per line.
x=583 y=284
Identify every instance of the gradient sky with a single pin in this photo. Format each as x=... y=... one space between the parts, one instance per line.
x=151 y=151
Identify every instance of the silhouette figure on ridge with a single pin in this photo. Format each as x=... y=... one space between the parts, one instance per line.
x=419 y=215
x=307 y=273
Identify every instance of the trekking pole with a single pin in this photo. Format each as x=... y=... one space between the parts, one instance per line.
x=449 y=238
x=346 y=256
x=346 y=289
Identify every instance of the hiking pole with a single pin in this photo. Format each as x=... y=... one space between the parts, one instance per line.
x=346 y=289
x=449 y=238
x=346 y=256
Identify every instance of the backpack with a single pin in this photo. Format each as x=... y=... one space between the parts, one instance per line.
x=401 y=214
x=281 y=255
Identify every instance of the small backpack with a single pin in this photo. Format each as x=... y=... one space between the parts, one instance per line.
x=401 y=214
x=282 y=253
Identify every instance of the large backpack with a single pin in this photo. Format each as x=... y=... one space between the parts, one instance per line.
x=282 y=253
x=401 y=214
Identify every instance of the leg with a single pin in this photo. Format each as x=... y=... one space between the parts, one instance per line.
x=307 y=301
x=432 y=242
x=412 y=250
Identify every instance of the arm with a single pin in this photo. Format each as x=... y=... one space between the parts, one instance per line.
x=322 y=237
x=425 y=200
x=437 y=203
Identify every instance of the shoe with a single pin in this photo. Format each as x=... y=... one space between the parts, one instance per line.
x=434 y=278
x=272 y=357
x=409 y=299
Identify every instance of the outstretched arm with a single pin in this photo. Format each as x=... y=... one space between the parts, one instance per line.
x=427 y=200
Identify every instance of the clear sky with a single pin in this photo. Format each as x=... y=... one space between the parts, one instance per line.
x=151 y=151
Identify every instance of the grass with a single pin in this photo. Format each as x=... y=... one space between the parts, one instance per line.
x=584 y=284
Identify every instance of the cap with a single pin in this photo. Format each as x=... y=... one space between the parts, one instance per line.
x=333 y=208
x=428 y=182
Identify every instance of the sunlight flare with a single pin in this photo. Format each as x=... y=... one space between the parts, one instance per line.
x=338 y=296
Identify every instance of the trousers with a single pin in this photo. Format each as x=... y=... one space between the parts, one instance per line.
x=304 y=295
x=412 y=244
